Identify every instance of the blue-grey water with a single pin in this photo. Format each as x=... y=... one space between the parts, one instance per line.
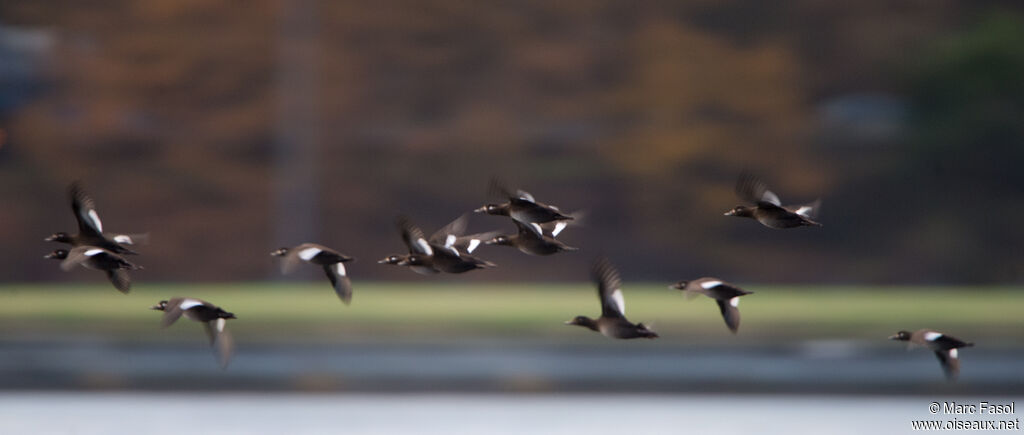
x=825 y=367
x=616 y=414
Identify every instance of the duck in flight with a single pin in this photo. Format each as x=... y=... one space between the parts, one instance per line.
x=213 y=318
x=767 y=208
x=726 y=295
x=90 y=228
x=332 y=262
x=95 y=258
x=944 y=346
x=447 y=250
x=612 y=322
x=521 y=207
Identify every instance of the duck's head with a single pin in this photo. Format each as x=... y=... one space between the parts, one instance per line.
x=499 y=209
x=412 y=260
x=499 y=240
x=61 y=237
x=280 y=252
x=741 y=211
x=391 y=259
x=901 y=336
x=583 y=321
x=59 y=254
x=160 y=306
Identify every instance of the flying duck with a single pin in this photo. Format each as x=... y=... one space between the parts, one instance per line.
x=331 y=260
x=99 y=259
x=726 y=295
x=521 y=207
x=612 y=322
x=768 y=210
x=441 y=253
x=944 y=346
x=530 y=239
x=213 y=318
x=90 y=228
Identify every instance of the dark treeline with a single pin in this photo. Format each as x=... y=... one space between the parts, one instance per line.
x=230 y=131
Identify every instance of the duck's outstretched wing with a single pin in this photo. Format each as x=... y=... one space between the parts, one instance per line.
x=85 y=211
x=730 y=312
x=609 y=289
x=950 y=361
x=339 y=280
x=752 y=189
x=413 y=237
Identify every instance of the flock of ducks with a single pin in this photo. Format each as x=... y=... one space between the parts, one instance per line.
x=448 y=250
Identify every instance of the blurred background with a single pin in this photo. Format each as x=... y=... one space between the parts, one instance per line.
x=226 y=129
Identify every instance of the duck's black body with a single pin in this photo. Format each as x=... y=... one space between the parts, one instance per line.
x=531 y=241
x=97 y=258
x=944 y=346
x=332 y=262
x=441 y=253
x=90 y=228
x=768 y=210
x=211 y=316
x=612 y=322
x=726 y=295
x=521 y=207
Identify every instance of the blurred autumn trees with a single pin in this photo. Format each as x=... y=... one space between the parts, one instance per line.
x=640 y=112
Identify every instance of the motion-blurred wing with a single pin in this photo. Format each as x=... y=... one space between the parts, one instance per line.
x=533 y=231
x=129 y=239
x=730 y=313
x=119 y=277
x=79 y=255
x=413 y=237
x=609 y=289
x=453 y=230
x=525 y=196
x=340 y=281
x=950 y=361
x=85 y=211
x=223 y=344
x=175 y=308
x=752 y=189
x=298 y=254
x=809 y=211
x=469 y=243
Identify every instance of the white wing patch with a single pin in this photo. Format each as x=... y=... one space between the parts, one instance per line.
x=710 y=284
x=189 y=303
x=220 y=324
x=771 y=197
x=340 y=268
x=620 y=302
x=953 y=354
x=95 y=218
x=450 y=241
x=536 y=228
x=805 y=211
x=932 y=336
x=423 y=246
x=558 y=228
x=525 y=196
x=123 y=239
x=735 y=301
x=308 y=253
x=92 y=252
x=473 y=243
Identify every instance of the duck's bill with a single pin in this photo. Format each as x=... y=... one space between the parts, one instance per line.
x=480 y=210
x=729 y=213
x=894 y=337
